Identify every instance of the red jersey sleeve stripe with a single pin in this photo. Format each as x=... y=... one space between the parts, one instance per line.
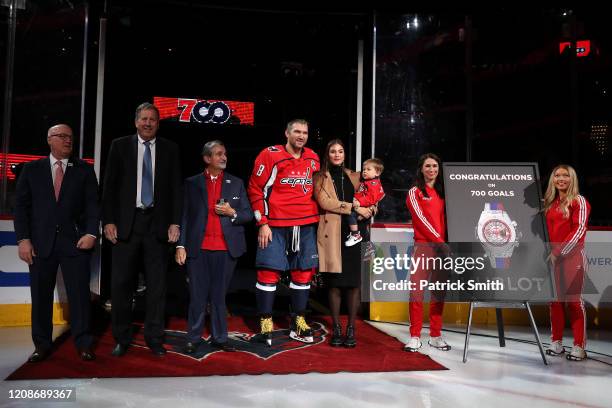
x=582 y=209
x=419 y=212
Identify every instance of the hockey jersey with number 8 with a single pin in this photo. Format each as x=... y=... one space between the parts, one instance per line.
x=280 y=187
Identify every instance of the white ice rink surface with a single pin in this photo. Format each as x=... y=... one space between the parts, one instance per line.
x=513 y=376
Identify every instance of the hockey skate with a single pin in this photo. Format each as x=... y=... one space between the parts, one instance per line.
x=300 y=331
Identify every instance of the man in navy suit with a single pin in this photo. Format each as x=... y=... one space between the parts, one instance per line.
x=56 y=223
x=215 y=208
x=141 y=211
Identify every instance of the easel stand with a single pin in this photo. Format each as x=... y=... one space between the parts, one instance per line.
x=500 y=323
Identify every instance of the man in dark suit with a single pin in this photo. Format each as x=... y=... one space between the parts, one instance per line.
x=141 y=210
x=56 y=223
x=215 y=208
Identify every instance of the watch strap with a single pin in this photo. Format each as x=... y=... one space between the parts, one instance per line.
x=497 y=207
x=502 y=263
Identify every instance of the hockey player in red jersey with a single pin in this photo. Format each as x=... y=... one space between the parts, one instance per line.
x=567 y=215
x=280 y=191
x=426 y=204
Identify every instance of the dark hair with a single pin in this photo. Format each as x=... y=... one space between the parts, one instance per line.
x=294 y=122
x=325 y=161
x=419 y=181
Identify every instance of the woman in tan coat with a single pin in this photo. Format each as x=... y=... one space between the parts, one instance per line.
x=340 y=265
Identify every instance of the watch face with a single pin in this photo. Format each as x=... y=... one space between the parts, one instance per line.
x=496 y=232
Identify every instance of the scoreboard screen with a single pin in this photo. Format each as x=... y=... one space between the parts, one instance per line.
x=210 y=111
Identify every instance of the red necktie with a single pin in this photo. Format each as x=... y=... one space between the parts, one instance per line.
x=59 y=176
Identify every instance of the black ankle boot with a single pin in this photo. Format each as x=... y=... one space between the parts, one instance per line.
x=336 y=339
x=349 y=340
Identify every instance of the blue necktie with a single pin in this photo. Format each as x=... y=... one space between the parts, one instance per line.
x=146 y=192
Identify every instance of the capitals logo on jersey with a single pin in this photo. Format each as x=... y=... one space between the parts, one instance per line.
x=370 y=192
x=301 y=179
x=281 y=187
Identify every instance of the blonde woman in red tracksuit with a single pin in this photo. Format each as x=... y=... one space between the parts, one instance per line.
x=567 y=215
x=426 y=204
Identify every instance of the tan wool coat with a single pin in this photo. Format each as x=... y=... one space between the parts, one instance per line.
x=329 y=239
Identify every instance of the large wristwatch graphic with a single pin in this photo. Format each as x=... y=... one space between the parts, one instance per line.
x=498 y=234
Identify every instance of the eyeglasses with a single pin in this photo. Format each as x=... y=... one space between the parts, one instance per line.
x=63 y=136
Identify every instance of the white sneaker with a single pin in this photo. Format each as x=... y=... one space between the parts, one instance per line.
x=353 y=239
x=577 y=354
x=439 y=343
x=555 y=349
x=413 y=345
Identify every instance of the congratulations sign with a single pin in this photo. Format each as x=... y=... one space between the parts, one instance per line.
x=495 y=210
x=497 y=243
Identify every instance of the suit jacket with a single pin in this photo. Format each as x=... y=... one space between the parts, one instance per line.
x=119 y=193
x=195 y=214
x=39 y=217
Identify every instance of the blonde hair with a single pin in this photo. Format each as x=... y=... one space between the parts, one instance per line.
x=551 y=191
x=376 y=163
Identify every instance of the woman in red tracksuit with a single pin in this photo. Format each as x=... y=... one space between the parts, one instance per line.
x=426 y=204
x=567 y=214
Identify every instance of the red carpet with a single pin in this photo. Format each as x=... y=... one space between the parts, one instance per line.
x=375 y=352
